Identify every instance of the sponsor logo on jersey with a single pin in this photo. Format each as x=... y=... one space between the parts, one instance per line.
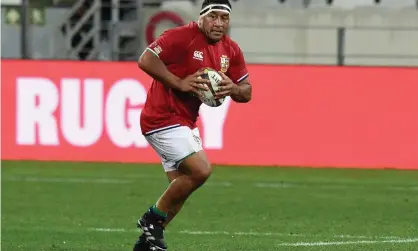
x=198 y=55
x=224 y=63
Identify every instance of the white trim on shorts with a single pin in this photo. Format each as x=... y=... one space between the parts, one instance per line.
x=174 y=144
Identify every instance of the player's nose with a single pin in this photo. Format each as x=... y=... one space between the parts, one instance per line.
x=218 y=22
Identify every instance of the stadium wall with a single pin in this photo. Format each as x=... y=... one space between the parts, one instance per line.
x=373 y=35
x=317 y=116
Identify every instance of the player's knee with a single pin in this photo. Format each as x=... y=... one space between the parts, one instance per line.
x=201 y=174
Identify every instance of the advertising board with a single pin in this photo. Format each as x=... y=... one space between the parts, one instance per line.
x=315 y=116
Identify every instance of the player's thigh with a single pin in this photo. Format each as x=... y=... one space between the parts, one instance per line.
x=175 y=145
x=197 y=166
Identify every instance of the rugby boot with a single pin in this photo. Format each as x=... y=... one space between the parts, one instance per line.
x=152 y=225
x=142 y=244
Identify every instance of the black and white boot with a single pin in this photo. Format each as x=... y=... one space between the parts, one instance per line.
x=152 y=225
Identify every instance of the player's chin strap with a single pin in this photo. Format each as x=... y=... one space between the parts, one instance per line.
x=215 y=7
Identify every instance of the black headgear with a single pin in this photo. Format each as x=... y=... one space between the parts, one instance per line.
x=215 y=5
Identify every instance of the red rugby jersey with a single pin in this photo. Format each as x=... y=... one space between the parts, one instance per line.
x=185 y=50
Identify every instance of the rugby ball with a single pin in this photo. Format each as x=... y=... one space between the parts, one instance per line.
x=208 y=97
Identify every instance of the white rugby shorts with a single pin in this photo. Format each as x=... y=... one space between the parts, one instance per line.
x=174 y=143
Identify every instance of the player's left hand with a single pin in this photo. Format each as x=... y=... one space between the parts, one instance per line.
x=226 y=86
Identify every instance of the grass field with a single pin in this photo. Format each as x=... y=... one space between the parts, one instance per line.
x=94 y=207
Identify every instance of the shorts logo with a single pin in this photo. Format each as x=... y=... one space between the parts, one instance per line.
x=198 y=55
x=197 y=139
x=224 y=63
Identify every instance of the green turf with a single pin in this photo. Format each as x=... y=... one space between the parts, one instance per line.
x=61 y=206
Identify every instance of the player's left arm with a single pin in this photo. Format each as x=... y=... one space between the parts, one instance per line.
x=236 y=83
x=242 y=91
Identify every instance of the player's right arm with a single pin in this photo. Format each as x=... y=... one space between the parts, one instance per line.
x=167 y=49
x=153 y=66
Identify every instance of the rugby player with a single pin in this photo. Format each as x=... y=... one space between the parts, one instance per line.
x=168 y=120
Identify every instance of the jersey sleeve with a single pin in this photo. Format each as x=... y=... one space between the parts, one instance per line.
x=238 y=70
x=169 y=46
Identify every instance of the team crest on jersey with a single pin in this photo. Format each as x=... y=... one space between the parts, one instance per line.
x=224 y=63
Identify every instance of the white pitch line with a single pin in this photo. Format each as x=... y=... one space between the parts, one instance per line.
x=91 y=180
x=342 y=236
x=265 y=185
x=337 y=243
x=112 y=230
x=284 y=185
x=218 y=184
x=275 y=185
x=189 y=232
x=68 y=180
x=236 y=233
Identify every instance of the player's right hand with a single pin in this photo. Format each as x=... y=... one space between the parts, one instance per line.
x=194 y=84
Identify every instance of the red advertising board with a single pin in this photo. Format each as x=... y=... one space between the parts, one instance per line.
x=299 y=116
